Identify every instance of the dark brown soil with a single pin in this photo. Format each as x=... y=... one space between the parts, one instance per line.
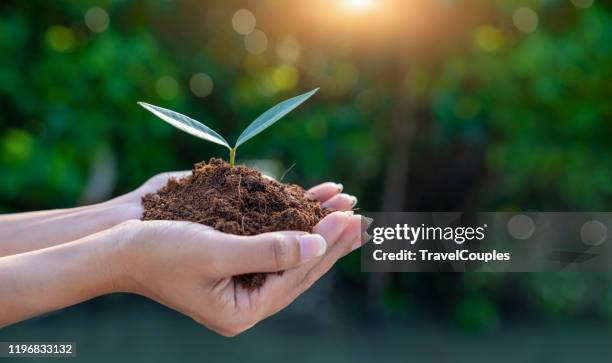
x=234 y=200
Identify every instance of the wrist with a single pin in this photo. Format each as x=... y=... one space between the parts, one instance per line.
x=119 y=250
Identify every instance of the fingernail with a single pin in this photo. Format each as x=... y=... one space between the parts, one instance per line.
x=340 y=187
x=332 y=225
x=349 y=212
x=354 y=201
x=367 y=222
x=311 y=246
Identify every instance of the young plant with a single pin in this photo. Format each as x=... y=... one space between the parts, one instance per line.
x=204 y=132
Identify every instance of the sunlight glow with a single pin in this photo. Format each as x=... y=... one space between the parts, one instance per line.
x=358 y=4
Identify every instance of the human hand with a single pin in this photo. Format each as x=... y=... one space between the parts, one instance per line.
x=106 y=255
x=24 y=232
x=189 y=267
x=130 y=205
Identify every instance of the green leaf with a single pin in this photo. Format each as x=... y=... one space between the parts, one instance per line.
x=271 y=116
x=186 y=124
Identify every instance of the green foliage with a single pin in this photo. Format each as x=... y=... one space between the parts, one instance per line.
x=204 y=132
x=269 y=117
x=541 y=106
x=186 y=124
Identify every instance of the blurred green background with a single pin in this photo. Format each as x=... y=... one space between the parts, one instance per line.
x=441 y=105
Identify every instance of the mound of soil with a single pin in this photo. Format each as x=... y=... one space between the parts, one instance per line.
x=235 y=200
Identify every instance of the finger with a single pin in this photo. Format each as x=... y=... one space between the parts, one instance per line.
x=279 y=251
x=295 y=281
x=341 y=202
x=266 y=252
x=331 y=228
x=278 y=291
x=366 y=222
x=350 y=236
x=323 y=192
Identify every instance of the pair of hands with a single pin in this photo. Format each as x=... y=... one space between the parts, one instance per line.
x=189 y=267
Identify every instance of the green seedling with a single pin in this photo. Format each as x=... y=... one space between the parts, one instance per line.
x=204 y=132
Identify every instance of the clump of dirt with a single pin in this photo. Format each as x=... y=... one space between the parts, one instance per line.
x=235 y=200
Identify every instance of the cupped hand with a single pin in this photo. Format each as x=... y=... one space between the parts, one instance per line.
x=130 y=204
x=189 y=267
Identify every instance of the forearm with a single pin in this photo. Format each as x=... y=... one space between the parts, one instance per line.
x=25 y=232
x=36 y=282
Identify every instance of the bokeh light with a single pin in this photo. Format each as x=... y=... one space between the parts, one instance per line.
x=97 y=19
x=593 y=233
x=521 y=226
x=288 y=49
x=167 y=87
x=525 y=19
x=488 y=38
x=267 y=84
x=60 y=38
x=201 y=84
x=256 y=42
x=16 y=145
x=243 y=22
x=286 y=77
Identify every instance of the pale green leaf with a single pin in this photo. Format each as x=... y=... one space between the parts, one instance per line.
x=186 y=124
x=271 y=116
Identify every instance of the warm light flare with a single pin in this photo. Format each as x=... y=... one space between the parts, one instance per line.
x=385 y=25
x=358 y=4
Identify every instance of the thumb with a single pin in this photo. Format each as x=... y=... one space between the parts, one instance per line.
x=268 y=252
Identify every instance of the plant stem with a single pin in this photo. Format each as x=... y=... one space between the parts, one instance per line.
x=232 y=156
